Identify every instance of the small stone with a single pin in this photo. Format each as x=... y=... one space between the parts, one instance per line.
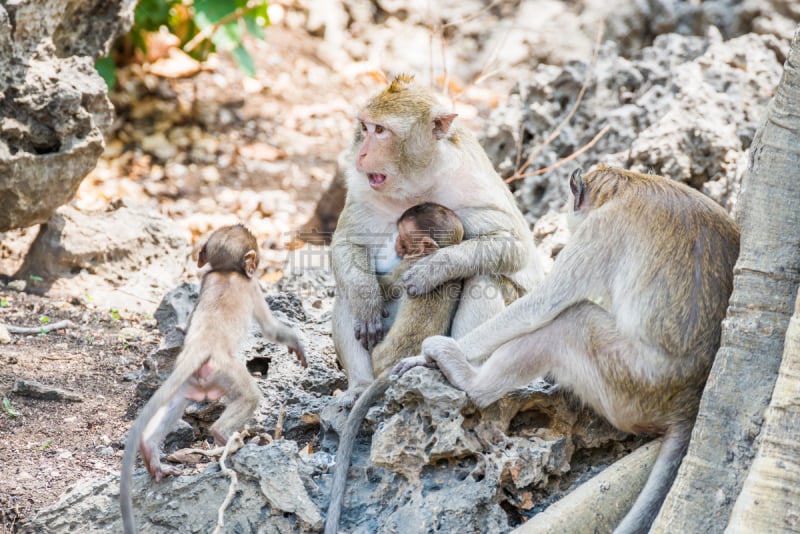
x=130 y=333
x=158 y=145
x=17 y=285
x=5 y=337
x=210 y=174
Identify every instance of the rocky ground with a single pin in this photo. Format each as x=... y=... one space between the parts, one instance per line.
x=190 y=153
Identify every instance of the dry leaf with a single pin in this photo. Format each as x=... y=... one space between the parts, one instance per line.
x=183 y=456
x=310 y=418
x=177 y=64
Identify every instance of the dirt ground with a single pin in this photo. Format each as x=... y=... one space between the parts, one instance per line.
x=280 y=132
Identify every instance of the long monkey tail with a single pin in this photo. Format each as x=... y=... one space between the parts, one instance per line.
x=665 y=468
x=183 y=370
x=345 y=451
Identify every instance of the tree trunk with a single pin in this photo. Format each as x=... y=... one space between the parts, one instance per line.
x=765 y=283
x=771 y=493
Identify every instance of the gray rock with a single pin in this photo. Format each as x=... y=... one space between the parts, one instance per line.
x=53 y=104
x=271 y=497
x=427 y=459
x=122 y=258
x=685 y=107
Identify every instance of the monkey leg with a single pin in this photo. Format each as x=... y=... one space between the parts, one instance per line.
x=156 y=430
x=581 y=348
x=481 y=299
x=242 y=396
x=352 y=355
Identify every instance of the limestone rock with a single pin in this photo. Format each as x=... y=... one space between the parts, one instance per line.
x=121 y=258
x=685 y=107
x=53 y=104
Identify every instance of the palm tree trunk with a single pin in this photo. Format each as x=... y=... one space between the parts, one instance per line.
x=766 y=278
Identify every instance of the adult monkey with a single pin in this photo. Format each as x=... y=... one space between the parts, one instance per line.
x=629 y=318
x=408 y=150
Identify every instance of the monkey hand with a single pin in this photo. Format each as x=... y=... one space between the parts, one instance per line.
x=299 y=352
x=406 y=364
x=369 y=331
x=423 y=277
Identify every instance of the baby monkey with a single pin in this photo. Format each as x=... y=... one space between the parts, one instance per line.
x=422 y=229
x=207 y=367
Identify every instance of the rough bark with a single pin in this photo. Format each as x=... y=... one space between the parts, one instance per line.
x=771 y=493
x=765 y=283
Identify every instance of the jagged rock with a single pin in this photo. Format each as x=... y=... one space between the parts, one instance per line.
x=122 y=258
x=686 y=107
x=53 y=104
x=272 y=492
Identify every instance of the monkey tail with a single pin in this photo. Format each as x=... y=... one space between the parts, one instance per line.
x=652 y=496
x=183 y=370
x=345 y=451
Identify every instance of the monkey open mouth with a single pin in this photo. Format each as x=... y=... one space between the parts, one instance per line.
x=376 y=180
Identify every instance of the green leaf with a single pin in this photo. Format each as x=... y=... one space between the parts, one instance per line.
x=212 y=11
x=107 y=70
x=254 y=28
x=115 y=314
x=44 y=319
x=152 y=14
x=8 y=410
x=35 y=278
x=244 y=60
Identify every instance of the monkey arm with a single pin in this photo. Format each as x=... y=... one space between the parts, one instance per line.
x=274 y=329
x=534 y=310
x=496 y=253
x=357 y=285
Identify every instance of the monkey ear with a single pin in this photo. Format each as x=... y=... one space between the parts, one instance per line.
x=202 y=258
x=578 y=188
x=442 y=123
x=250 y=263
x=428 y=245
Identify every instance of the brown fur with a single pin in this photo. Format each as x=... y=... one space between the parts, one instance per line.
x=629 y=318
x=207 y=367
x=409 y=150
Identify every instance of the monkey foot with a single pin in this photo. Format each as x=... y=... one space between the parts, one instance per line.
x=437 y=348
x=406 y=364
x=164 y=471
x=449 y=357
x=349 y=397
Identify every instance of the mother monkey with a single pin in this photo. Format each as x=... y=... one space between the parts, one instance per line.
x=407 y=151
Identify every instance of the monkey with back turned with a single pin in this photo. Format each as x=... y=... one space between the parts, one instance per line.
x=207 y=367
x=629 y=318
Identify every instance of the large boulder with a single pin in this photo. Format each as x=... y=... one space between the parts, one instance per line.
x=53 y=104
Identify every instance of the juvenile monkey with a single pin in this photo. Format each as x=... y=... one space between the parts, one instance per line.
x=407 y=151
x=207 y=367
x=629 y=317
x=422 y=230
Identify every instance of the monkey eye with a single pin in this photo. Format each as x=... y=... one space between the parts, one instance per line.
x=378 y=129
x=363 y=126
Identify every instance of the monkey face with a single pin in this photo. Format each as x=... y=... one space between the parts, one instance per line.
x=376 y=152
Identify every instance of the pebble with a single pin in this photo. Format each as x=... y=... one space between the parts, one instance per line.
x=17 y=285
x=5 y=337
